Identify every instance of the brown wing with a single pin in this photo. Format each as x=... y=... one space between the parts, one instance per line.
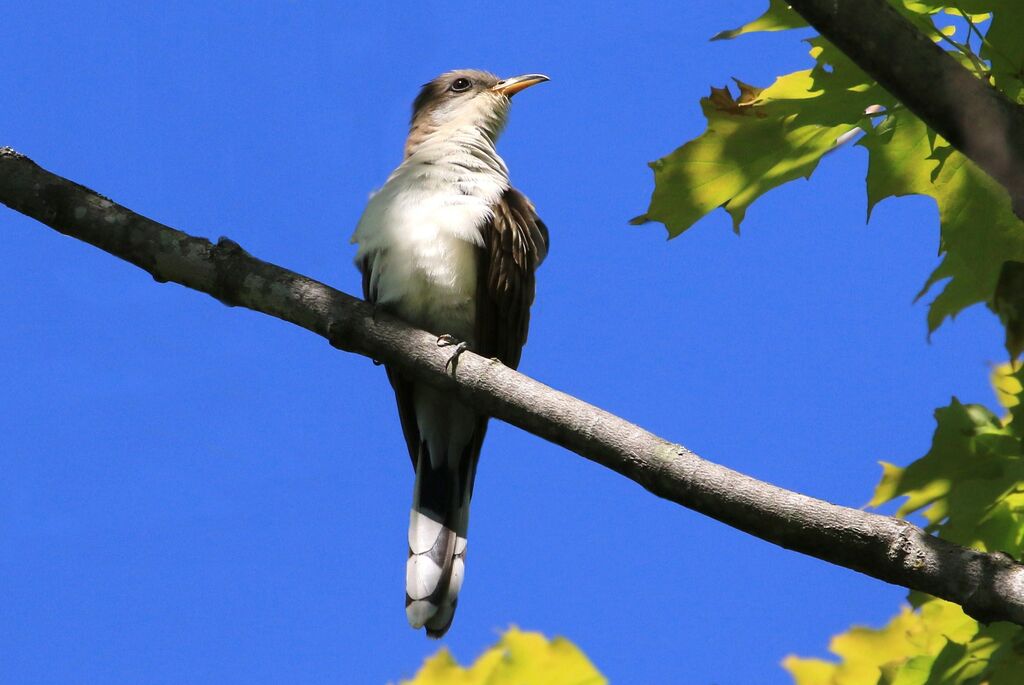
x=515 y=243
x=401 y=386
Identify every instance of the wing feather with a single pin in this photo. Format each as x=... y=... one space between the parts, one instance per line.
x=515 y=243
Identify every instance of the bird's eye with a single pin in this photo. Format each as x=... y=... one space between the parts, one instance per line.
x=461 y=84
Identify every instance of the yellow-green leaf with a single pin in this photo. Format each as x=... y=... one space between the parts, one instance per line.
x=1007 y=385
x=751 y=147
x=978 y=229
x=936 y=645
x=778 y=17
x=1004 y=48
x=967 y=485
x=888 y=487
x=757 y=142
x=909 y=641
x=519 y=657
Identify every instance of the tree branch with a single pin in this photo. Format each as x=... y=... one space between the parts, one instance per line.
x=989 y=586
x=973 y=116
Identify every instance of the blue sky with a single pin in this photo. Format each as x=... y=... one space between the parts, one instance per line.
x=193 y=493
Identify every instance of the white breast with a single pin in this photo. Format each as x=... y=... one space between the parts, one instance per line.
x=421 y=232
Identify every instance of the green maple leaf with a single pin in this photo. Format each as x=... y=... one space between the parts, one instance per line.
x=778 y=17
x=970 y=489
x=764 y=138
x=970 y=484
x=760 y=140
x=978 y=229
x=1004 y=48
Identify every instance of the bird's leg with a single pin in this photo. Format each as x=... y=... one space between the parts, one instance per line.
x=447 y=340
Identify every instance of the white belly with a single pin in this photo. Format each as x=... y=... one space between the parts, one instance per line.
x=431 y=283
x=422 y=239
x=422 y=233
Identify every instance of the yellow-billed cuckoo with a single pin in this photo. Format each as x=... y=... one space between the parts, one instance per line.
x=450 y=246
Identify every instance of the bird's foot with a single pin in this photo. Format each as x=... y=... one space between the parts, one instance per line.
x=447 y=340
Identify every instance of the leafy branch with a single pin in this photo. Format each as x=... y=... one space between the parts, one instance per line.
x=956 y=136
x=969 y=488
x=977 y=119
x=944 y=131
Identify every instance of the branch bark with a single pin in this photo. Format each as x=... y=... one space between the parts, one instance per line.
x=989 y=587
x=973 y=116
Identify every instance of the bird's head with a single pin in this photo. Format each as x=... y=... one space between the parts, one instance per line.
x=467 y=99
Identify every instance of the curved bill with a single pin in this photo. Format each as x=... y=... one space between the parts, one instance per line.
x=510 y=86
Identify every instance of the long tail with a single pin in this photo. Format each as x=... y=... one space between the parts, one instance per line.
x=438 y=524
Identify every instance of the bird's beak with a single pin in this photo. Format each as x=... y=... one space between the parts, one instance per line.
x=510 y=86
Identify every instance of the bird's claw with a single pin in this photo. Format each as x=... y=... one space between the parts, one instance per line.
x=447 y=340
x=453 y=361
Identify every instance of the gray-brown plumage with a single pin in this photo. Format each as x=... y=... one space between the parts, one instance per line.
x=448 y=245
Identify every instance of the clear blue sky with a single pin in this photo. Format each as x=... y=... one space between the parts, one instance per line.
x=193 y=493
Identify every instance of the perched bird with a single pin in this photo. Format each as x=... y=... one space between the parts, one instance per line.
x=448 y=245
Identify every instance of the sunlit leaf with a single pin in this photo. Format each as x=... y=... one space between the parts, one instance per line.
x=1006 y=384
x=911 y=640
x=922 y=6
x=778 y=17
x=969 y=487
x=978 y=229
x=518 y=658
x=1004 y=48
x=966 y=485
x=936 y=645
x=751 y=147
x=961 y=660
x=756 y=143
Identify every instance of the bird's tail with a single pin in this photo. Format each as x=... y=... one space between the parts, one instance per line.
x=437 y=542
